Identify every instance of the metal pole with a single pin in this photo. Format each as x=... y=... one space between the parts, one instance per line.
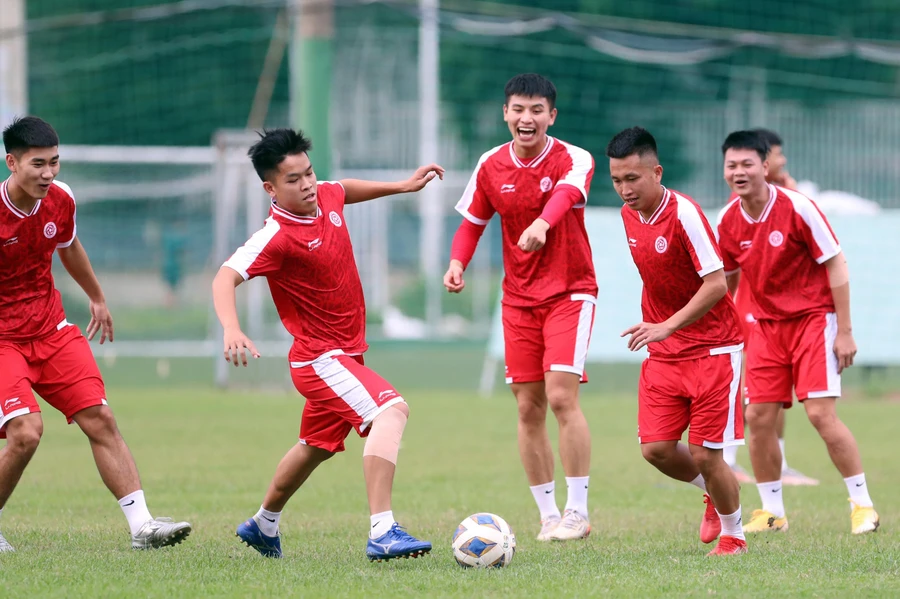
x=13 y=62
x=431 y=208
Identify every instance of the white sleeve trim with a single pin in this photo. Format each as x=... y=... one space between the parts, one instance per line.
x=582 y=164
x=246 y=255
x=704 y=248
x=468 y=196
x=822 y=235
x=68 y=191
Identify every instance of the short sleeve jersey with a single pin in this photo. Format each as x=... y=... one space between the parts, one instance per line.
x=30 y=304
x=673 y=251
x=503 y=184
x=781 y=255
x=312 y=274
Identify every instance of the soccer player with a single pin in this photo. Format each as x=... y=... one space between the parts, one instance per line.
x=539 y=185
x=692 y=376
x=779 y=241
x=743 y=301
x=304 y=251
x=39 y=349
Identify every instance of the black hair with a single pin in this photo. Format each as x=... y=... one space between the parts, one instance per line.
x=747 y=140
x=634 y=140
x=770 y=136
x=28 y=132
x=531 y=85
x=274 y=146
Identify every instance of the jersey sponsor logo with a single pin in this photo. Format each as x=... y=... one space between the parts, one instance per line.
x=546 y=184
x=50 y=230
x=335 y=218
x=661 y=244
x=745 y=245
x=11 y=241
x=386 y=394
x=776 y=239
x=315 y=243
x=632 y=242
x=10 y=402
x=507 y=188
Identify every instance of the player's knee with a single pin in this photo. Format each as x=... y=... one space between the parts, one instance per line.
x=656 y=453
x=97 y=422
x=822 y=416
x=760 y=417
x=705 y=458
x=25 y=436
x=532 y=413
x=387 y=430
x=562 y=401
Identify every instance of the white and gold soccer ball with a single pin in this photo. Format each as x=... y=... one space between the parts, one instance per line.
x=484 y=541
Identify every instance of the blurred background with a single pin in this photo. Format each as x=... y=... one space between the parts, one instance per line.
x=155 y=102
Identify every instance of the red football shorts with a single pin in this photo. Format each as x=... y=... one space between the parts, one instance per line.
x=702 y=394
x=549 y=338
x=59 y=367
x=795 y=354
x=341 y=394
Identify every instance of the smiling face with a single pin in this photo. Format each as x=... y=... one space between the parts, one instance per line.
x=637 y=180
x=745 y=172
x=528 y=119
x=34 y=170
x=293 y=185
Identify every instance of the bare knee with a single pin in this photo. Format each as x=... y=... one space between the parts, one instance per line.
x=97 y=422
x=23 y=434
x=658 y=453
x=705 y=458
x=532 y=404
x=821 y=412
x=762 y=417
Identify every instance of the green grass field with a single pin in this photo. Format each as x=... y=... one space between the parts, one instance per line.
x=206 y=456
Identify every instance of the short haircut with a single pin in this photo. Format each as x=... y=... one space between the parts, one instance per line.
x=274 y=146
x=531 y=85
x=770 y=136
x=635 y=140
x=28 y=132
x=747 y=140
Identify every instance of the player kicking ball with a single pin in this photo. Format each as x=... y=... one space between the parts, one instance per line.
x=304 y=251
x=40 y=350
x=782 y=245
x=691 y=379
x=538 y=185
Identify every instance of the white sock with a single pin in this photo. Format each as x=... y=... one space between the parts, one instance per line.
x=577 y=495
x=381 y=523
x=731 y=524
x=699 y=483
x=729 y=454
x=267 y=521
x=784 y=465
x=134 y=506
x=772 y=500
x=859 y=490
x=545 y=498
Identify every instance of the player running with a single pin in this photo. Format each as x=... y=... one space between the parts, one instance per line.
x=539 y=185
x=691 y=379
x=781 y=243
x=40 y=350
x=304 y=251
x=743 y=301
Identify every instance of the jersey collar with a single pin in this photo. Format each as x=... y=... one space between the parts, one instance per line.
x=773 y=194
x=659 y=209
x=536 y=160
x=4 y=194
x=303 y=220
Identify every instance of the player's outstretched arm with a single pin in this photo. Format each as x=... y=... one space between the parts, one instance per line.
x=77 y=264
x=839 y=278
x=461 y=251
x=711 y=291
x=357 y=190
x=235 y=342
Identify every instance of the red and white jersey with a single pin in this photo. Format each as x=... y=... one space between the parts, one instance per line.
x=502 y=183
x=673 y=251
x=30 y=305
x=781 y=255
x=309 y=264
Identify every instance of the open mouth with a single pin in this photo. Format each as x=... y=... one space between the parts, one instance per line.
x=526 y=133
x=311 y=197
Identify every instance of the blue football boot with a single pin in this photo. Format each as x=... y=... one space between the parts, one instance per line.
x=250 y=534
x=396 y=543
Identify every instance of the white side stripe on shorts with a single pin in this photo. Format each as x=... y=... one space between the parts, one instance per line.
x=831 y=361
x=582 y=336
x=350 y=389
x=734 y=391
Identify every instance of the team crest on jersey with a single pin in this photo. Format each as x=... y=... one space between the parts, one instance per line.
x=50 y=230
x=335 y=218
x=661 y=244
x=776 y=238
x=546 y=184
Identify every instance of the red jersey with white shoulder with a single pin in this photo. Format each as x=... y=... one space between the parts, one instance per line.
x=673 y=251
x=781 y=255
x=312 y=274
x=502 y=183
x=30 y=305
